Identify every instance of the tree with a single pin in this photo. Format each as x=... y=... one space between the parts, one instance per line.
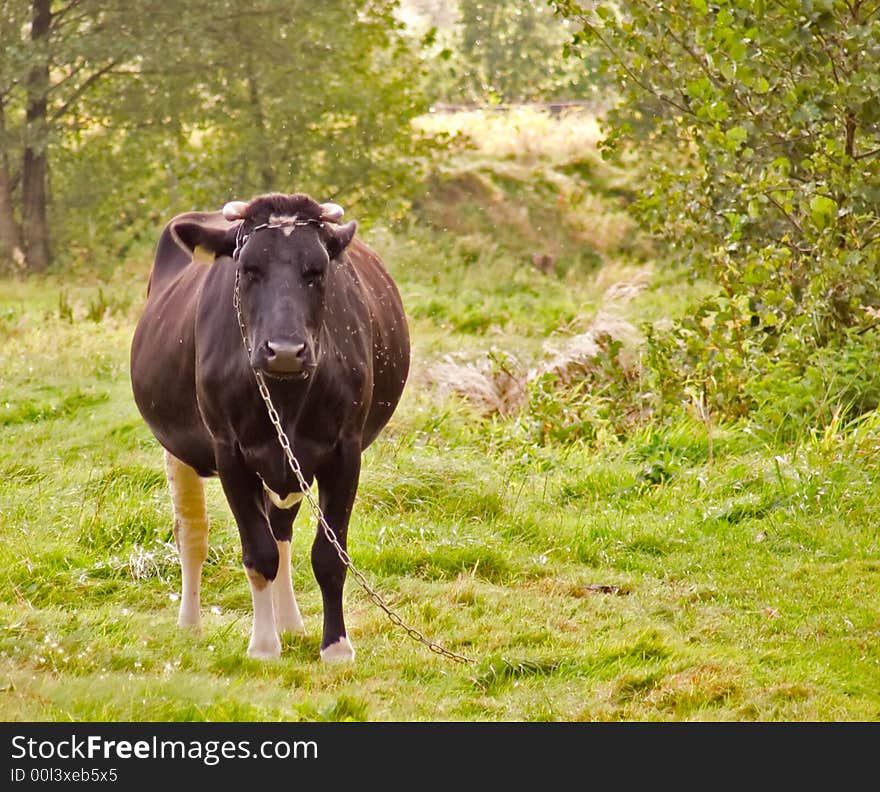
x=759 y=127
x=12 y=66
x=54 y=53
x=140 y=110
x=504 y=51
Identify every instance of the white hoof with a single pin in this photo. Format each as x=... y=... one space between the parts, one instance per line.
x=265 y=644
x=291 y=624
x=287 y=615
x=340 y=652
x=265 y=649
x=189 y=618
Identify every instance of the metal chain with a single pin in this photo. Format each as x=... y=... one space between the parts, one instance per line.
x=329 y=534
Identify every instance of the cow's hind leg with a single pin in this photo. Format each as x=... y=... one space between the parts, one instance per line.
x=287 y=615
x=190 y=534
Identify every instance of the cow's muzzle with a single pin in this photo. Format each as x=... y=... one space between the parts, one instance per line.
x=284 y=359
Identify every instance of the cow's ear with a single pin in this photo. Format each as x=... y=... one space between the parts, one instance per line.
x=339 y=237
x=214 y=239
x=208 y=230
x=187 y=232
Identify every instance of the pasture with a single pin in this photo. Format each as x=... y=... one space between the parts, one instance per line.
x=676 y=572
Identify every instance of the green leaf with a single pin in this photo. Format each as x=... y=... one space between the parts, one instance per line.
x=736 y=136
x=738 y=50
x=822 y=210
x=718 y=111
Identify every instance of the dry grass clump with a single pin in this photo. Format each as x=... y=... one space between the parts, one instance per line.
x=575 y=359
x=522 y=133
x=494 y=385
x=497 y=384
x=599 y=225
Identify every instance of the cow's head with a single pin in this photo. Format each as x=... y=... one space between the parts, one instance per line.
x=286 y=248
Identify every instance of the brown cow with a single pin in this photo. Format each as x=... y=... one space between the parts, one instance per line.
x=324 y=324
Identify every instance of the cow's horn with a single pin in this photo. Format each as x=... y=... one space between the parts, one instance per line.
x=331 y=212
x=234 y=210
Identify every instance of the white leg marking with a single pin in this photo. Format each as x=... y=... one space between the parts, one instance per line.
x=264 y=644
x=190 y=534
x=340 y=652
x=287 y=615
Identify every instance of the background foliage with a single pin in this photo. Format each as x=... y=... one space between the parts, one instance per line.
x=160 y=108
x=759 y=127
x=483 y=52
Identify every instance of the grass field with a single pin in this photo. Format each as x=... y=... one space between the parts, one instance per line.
x=637 y=579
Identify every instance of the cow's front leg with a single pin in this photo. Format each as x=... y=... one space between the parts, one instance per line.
x=337 y=486
x=259 y=550
x=190 y=535
x=287 y=615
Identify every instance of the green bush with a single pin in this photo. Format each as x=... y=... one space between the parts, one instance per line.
x=838 y=381
x=757 y=129
x=599 y=398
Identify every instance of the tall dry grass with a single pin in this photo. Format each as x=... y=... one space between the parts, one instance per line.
x=525 y=133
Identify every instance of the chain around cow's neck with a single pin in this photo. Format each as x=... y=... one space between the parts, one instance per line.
x=329 y=533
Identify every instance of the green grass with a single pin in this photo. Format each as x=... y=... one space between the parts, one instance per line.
x=634 y=579
x=583 y=585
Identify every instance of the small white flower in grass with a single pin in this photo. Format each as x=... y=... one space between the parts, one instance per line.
x=174 y=597
x=215 y=609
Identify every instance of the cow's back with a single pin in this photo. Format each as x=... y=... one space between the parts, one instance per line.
x=163 y=374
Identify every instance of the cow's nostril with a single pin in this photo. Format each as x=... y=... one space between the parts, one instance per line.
x=284 y=357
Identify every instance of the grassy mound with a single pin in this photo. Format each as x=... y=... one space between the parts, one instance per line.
x=534 y=183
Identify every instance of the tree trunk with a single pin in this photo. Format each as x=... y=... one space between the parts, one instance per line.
x=35 y=171
x=10 y=234
x=264 y=150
